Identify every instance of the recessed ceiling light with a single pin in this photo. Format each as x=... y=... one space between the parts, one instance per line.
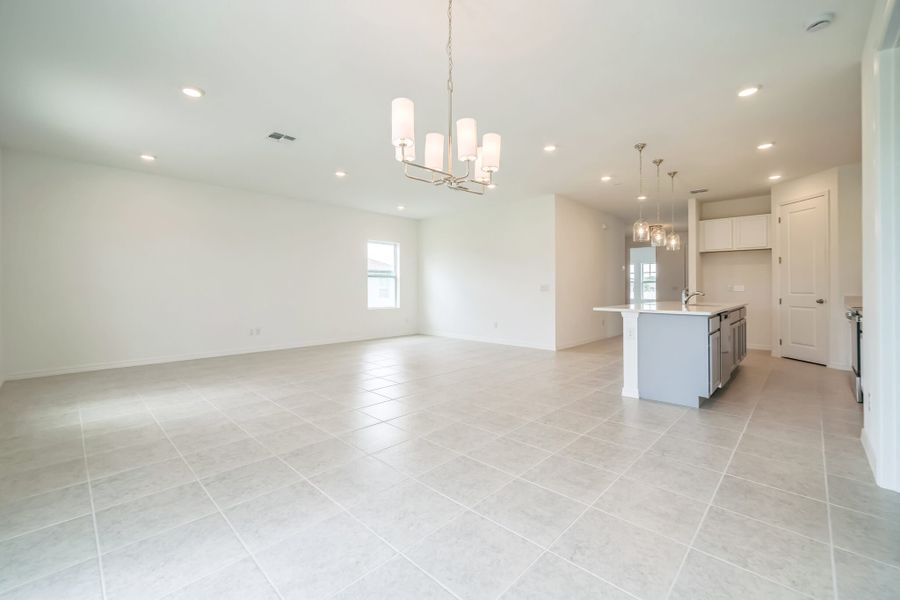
x=340 y=173
x=606 y=178
x=193 y=92
x=148 y=157
x=642 y=197
x=749 y=91
x=550 y=148
x=491 y=186
x=401 y=207
x=766 y=146
x=774 y=177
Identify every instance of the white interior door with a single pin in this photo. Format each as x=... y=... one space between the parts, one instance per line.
x=803 y=309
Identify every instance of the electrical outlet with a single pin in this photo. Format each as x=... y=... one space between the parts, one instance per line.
x=545 y=287
x=495 y=324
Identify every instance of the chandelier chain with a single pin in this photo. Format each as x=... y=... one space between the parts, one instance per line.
x=450 y=46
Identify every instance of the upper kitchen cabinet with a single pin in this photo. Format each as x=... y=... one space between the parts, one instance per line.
x=734 y=233
x=751 y=232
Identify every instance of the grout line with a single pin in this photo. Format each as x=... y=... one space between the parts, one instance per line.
x=343 y=510
x=834 y=584
x=221 y=513
x=548 y=547
x=712 y=498
x=87 y=474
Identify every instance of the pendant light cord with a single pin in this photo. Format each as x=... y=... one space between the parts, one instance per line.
x=658 y=162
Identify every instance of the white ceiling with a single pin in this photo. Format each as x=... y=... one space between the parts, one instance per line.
x=100 y=81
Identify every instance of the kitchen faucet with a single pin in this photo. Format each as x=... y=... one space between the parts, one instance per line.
x=686 y=296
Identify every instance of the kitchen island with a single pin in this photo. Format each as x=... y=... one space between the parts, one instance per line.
x=680 y=354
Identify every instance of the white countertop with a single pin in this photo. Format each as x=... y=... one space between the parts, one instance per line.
x=672 y=308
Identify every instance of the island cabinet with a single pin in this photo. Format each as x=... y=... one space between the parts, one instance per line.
x=680 y=355
x=679 y=358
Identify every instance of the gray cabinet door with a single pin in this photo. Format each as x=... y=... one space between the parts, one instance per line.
x=715 y=361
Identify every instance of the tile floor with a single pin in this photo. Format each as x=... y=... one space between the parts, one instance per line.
x=432 y=468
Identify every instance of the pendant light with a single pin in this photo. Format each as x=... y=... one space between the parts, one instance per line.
x=657 y=230
x=640 y=232
x=673 y=240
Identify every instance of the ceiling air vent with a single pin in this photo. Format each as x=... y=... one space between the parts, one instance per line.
x=700 y=191
x=820 y=22
x=281 y=137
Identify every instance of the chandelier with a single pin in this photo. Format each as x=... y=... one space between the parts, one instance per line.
x=657 y=230
x=640 y=231
x=673 y=240
x=481 y=162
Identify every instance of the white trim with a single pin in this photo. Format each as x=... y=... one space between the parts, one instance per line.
x=839 y=366
x=763 y=347
x=869 y=450
x=157 y=360
x=582 y=342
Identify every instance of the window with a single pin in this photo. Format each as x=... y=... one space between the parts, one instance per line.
x=383 y=259
x=648 y=281
x=642 y=274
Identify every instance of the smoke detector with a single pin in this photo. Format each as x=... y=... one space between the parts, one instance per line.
x=281 y=137
x=820 y=22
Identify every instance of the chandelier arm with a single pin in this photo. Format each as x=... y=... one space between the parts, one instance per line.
x=463 y=188
x=443 y=175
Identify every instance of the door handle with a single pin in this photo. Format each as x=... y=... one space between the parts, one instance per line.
x=820 y=301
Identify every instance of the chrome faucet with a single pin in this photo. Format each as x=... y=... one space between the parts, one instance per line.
x=686 y=296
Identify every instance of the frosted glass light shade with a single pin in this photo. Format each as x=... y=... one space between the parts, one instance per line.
x=410 y=153
x=434 y=151
x=673 y=242
x=466 y=139
x=640 y=231
x=403 y=120
x=657 y=235
x=490 y=157
x=480 y=174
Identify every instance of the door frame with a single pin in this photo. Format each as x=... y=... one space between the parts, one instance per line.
x=776 y=272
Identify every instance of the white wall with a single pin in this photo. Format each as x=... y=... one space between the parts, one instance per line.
x=108 y=267
x=2 y=369
x=720 y=272
x=736 y=207
x=881 y=244
x=590 y=254
x=487 y=273
x=842 y=185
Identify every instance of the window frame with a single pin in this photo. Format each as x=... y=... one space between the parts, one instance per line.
x=395 y=276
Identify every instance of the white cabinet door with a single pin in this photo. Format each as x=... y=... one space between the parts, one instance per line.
x=715 y=362
x=751 y=232
x=716 y=234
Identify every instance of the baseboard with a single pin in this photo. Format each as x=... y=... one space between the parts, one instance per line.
x=486 y=340
x=870 y=452
x=158 y=360
x=590 y=340
x=839 y=366
x=765 y=347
